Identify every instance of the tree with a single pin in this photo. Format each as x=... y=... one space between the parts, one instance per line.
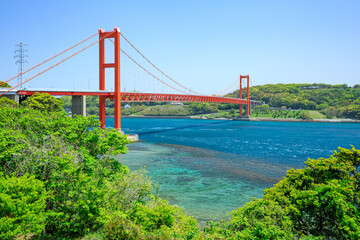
x=201 y=107
x=22 y=207
x=5 y=85
x=74 y=183
x=44 y=102
x=352 y=111
x=9 y=102
x=71 y=157
x=319 y=201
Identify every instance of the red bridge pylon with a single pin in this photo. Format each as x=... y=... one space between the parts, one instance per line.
x=247 y=94
x=116 y=65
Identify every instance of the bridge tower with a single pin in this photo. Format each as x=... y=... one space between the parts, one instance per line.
x=247 y=89
x=116 y=65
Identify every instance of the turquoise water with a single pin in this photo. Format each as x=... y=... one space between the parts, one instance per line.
x=211 y=167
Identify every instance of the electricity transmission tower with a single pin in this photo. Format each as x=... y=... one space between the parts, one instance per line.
x=20 y=57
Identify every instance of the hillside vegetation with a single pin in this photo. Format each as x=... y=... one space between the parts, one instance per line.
x=319 y=101
x=333 y=101
x=59 y=179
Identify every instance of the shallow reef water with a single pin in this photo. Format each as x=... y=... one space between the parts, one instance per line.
x=211 y=167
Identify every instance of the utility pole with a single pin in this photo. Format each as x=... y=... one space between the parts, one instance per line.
x=20 y=57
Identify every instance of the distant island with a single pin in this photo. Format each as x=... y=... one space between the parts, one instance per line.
x=278 y=101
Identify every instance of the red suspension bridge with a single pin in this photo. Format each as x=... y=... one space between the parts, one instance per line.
x=140 y=69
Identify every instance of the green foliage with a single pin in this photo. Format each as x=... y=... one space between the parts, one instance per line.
x=163 y=221
x=305 y=115
x=332 y=100
x=71 y=159
x=133 y=109
x=165 y=110
x=22 y=206
x=76 y=202
x=5 y=85
x=59 y=179
x=44 y=102
x=331 y=112
x=351 y=111
x=261 y=219
x=121 y=228
x=6 y=101
x=126 y=190
x=153 y=219
x=319 y=201
x=267 y=112
x=308 y=97
x=201 y=107
x=154 y=215
x=224 y=114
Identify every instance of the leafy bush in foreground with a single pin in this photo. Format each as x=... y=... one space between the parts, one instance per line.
x=59 y=180
x=67 y=157
x=22 y=205
x=319 y=201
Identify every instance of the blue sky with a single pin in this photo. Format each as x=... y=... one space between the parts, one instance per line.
x=204 y=45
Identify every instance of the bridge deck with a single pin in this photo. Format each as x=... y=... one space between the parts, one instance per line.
x=138 y=97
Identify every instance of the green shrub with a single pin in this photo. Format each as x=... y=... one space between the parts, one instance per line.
x=261 y=219
x=22 y=206
x=4 y=85
x=75 y=205
x=121 y=228
x=202 y=107
x=165 y=110
x=9 y=102
x=72 y=159
x=154 y=214
x=319 y=201
x=44 y=102
x=163 y=221
x=304 y=115
x=125 y=190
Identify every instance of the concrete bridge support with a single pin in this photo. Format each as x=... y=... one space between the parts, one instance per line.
x=14 y=97
x=78 y=105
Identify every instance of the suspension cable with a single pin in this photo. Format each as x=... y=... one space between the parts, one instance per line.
x=236 y=88
x=49 y=59
x=150 y=73
x=57 y=63
x=227 y=87
x=157 y=67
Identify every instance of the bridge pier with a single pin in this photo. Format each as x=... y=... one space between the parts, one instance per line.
x=13 y=97
x=78 y=105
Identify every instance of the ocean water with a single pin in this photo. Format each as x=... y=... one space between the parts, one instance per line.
x=211 y=167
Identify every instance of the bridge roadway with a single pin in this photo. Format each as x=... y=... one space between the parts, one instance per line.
x=79 y=98
x=136 y=96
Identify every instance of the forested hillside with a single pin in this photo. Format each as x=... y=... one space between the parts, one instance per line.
x=331 y=100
